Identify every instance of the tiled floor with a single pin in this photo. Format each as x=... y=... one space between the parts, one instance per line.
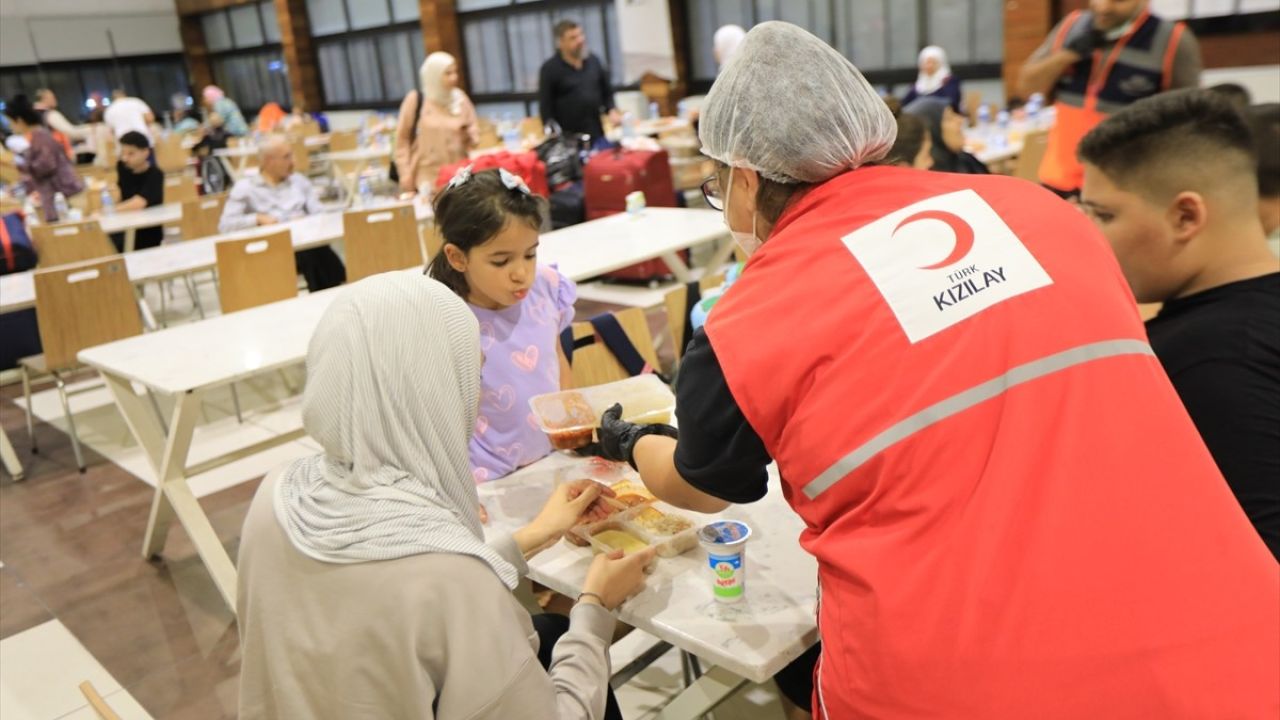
x=77 y=600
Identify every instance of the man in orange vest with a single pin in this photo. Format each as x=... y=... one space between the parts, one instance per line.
x=1012 y=514
x=1096 y=62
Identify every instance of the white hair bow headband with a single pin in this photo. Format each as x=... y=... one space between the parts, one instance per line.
x=509 y=179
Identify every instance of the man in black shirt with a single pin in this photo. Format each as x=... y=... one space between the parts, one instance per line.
x=574 y=88
x=141 y=186
x=1171 y=182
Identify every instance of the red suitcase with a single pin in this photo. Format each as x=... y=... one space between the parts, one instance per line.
x=612 y=175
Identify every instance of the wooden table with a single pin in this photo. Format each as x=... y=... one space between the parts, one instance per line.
x=190 y=360
x=358 y=160
x=130 y=221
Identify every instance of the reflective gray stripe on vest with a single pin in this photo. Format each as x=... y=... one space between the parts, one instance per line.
x=964 y=400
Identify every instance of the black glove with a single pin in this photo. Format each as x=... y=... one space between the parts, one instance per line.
x=1086 y=42
x=618 y=437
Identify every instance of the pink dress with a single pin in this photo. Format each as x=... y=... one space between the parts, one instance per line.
x=519 y=345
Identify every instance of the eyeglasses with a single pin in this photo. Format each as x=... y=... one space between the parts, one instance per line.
x=711 y=192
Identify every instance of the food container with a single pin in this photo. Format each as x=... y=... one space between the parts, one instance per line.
x=570 y=417
x=726 y=543
x=670 y=534
x=627 y=495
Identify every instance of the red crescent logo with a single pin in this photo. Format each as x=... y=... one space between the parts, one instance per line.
x=962 y=230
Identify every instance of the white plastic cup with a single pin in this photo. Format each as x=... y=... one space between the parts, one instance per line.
x=726 y=543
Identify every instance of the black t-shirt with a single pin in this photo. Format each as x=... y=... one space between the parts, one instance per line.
x=718 y=452
x=1221 y=349
x=150 y=185
x=575 y=98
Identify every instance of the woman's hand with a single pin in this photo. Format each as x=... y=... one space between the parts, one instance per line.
x=571 y=503
x=616 y=577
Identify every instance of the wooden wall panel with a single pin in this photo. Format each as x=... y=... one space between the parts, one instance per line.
x=299 y=53
x=440 y=32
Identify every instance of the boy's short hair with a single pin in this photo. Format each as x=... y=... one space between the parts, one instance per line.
x=565 y=26
x=1264 y=120
x=133 y=138
x=1171 y=142
x=912 y=132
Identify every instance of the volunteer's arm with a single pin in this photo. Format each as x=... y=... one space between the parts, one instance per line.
x=1047 y=63
x=655 y=458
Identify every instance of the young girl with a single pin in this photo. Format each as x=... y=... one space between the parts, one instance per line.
x=490 y=223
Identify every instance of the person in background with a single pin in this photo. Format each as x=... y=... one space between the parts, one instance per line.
x=77 y=137
x=366 y=588
x=141 y=186
x=278 y=194
x=128 y=114
x=1172 y=182
x=1264 y=122
x=217 y=101
x=45 y=166
x=299 y=115
x=726 y=42
x=490 y=223
x=935 y=79
x=946 y=136
x=1234 y=93
x=269 y=117
x=437 y=124
x=186 y=120
x=574 y=87
x=1096 y=62
x=913 y=147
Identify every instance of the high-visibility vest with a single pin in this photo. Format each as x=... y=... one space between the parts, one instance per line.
x=1012 y=513
x=1139 y=65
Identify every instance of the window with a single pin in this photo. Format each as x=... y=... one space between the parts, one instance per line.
x=881 y=37
x=369 y=51
x=245 y=53
x=154 y=78
x=507 y=42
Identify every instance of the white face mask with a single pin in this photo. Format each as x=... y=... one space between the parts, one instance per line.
x=747 y=241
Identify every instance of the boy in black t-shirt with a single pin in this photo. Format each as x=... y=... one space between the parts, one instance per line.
x=1171 y=181
x=141 y=186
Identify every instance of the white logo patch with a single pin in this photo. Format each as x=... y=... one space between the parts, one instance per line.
x=943 y=260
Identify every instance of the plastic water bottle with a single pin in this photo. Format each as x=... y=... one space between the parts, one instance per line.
x=60 y=205
x=366 y=193
x=654 y=112
x=628 y=126
x=1000 y=138
x=108 y=203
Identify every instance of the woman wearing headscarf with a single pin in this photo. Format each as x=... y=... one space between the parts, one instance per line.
x=216 y=101
x=935 y=79
x=437 y=125
x=1012 y=514
x=946 y=131
x=366 y=589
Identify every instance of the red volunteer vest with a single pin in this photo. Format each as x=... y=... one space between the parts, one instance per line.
x=1012 y=513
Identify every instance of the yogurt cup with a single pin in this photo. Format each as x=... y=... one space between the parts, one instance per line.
x=726 y=543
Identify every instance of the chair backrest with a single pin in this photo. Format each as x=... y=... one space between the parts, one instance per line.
x=488 y=134
x=171 y=157
x=532 y=127
x=256 y=271
x=595 y=364
x=82 y=305
x=108 y=151
x=70 y=242
x=677 y=303
x=344 y=140
x=971 y=101
x=432 y=241
x=200 y=216
x=380 y=240
x=1034 y=145
x=309 y=127
x=233 y=142
x=180 y=188
x=301 y=157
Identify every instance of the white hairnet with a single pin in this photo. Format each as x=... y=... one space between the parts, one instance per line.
x=793 y=109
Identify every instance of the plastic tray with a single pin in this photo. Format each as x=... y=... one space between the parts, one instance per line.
x=640 y=522
x=570 y=417
x=633 y=494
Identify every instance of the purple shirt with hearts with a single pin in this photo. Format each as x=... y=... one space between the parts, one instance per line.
x=520 y=361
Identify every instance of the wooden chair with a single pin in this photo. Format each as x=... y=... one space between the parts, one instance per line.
x=301 y=157
x=180 y=188
x=970 y=103
x=70 y=242
x=256 y=271
x=381 y=240
x=78 y=306
x=594 y=364
x=432 y=241
x=344 y=140
x=200 y=216
x=488 y=134
x=1034 y=145
x=171 y=157
x=532 y=128
x=677 y=302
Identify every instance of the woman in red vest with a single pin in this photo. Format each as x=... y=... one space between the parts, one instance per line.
x=1012 y=514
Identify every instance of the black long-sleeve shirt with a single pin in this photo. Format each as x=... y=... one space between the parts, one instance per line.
x=575 y=98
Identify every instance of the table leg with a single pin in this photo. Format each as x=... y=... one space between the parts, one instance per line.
x=722 y=255
x=9 y=457
x=677 y=267
x=148 y=318
x=130 y=239
x=702 y=696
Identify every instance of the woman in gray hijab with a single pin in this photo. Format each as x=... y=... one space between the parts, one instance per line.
x=946 y=128
x=366 y=587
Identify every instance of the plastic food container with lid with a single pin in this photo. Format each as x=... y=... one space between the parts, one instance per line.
x=570 y=417
x=670 y=533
